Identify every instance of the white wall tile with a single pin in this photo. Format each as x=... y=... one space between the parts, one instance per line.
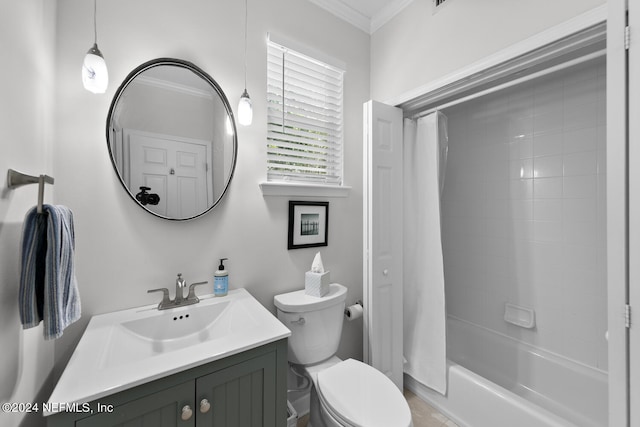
x=579 y=209
x=580 y=115
x=547 y=209
x=533 y=194
x=521 y=189
x=580 y=233
x=585 y=186
x=547 y=188
x=548 y=120
x=521 y=126
x=581 y=163
x=547 y=231
x=580 y=257
x=547 y=166
x=577 y=281
x=548 y=144
x=582 y=139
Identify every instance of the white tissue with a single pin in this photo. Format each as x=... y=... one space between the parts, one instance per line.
x=316 y=281
x=316 y=265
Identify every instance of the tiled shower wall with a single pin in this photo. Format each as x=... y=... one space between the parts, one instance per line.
x=524 y=210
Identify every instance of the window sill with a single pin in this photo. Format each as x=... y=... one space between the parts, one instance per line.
x=303 y=190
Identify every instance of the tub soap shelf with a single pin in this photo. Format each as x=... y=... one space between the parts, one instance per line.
x=519 y=316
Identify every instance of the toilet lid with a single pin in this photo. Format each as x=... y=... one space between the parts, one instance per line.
x=362 y=396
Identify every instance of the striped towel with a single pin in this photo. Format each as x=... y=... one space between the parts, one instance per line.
x=48 y=288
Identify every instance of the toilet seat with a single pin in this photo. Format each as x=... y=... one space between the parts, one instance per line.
x=358 y=395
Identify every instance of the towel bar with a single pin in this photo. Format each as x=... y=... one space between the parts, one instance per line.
x=16 y=179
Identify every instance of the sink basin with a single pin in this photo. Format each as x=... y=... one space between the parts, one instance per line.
x=153 y=332
x=126 y=348
x=177 y=325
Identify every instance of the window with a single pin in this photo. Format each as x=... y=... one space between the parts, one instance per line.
x=304 y=125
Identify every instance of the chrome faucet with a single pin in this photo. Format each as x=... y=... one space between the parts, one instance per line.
x=180 y=285
x=179 y=300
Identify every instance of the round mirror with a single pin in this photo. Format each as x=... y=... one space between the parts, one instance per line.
x=172 y=139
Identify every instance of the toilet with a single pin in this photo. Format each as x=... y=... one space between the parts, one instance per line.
x=344 y=393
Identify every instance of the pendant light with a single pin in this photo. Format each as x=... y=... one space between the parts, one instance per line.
x=95 y=76
x=245 y=110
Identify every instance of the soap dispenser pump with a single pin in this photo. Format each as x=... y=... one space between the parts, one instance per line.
x=221 y=280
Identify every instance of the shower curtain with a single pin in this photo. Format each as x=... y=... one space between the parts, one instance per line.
x=425 y=155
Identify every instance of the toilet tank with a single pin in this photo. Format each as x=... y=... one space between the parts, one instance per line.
x=315 y=323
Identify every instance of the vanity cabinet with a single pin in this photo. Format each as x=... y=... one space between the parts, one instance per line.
x=159 y=409
x=244 y=390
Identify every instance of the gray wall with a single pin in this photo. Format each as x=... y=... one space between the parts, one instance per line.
x=27 y=34
x=121 y=250
x=417 y=47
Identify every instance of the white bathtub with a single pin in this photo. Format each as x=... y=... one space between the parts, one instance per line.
x=514 y=384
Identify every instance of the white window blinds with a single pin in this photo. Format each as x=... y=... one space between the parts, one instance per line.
x=304 y=125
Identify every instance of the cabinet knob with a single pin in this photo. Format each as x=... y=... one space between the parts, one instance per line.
x=187 y=412
x=205 y=406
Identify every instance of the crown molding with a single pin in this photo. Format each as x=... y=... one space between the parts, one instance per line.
x=387 y=13
x=345 y=12
x=369 y=25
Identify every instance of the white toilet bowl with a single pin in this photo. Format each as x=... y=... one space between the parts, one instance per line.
x=344 y=393
x=353 y=394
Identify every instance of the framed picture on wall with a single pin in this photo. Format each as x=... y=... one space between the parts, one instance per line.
x=308 y=224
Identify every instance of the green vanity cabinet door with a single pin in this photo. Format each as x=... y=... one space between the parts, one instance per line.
x=242 y=395
x=244 y=390
x=161 y=409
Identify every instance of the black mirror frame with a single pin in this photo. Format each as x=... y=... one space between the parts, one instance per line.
x=198 y=71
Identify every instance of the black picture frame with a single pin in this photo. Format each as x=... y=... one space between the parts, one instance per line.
x=308 y=224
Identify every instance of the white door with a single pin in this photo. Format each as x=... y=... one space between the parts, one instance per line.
x=174 y=169
x=149 y=167
x=382 y=235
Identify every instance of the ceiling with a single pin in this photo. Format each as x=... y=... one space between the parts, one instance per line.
x=368 y=15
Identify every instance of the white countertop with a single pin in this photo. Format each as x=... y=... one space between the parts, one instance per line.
x=110 y=358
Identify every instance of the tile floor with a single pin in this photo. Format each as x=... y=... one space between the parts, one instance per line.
x=422 y=413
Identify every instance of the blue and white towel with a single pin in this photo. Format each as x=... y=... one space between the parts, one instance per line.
x=48 y=287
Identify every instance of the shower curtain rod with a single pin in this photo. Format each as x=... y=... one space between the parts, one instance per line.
x=520 y=80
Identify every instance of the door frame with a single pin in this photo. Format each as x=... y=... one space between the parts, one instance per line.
x=619 y=11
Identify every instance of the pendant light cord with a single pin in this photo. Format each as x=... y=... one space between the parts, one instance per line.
x=95 y=25
x=246 y=14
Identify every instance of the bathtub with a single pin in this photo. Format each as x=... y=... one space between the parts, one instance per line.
x=507 y=383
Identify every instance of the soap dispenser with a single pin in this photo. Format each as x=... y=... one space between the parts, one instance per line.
x=221 y=280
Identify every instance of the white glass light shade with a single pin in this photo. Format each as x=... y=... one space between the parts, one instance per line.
x=245 y=110
x=95 y=76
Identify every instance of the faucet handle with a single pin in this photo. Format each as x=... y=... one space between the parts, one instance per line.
x=192 y=294
x=165 y=296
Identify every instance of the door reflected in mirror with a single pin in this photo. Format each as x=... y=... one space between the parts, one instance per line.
x=172 y=139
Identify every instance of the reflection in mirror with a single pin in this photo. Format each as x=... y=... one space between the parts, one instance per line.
x=172 y=139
